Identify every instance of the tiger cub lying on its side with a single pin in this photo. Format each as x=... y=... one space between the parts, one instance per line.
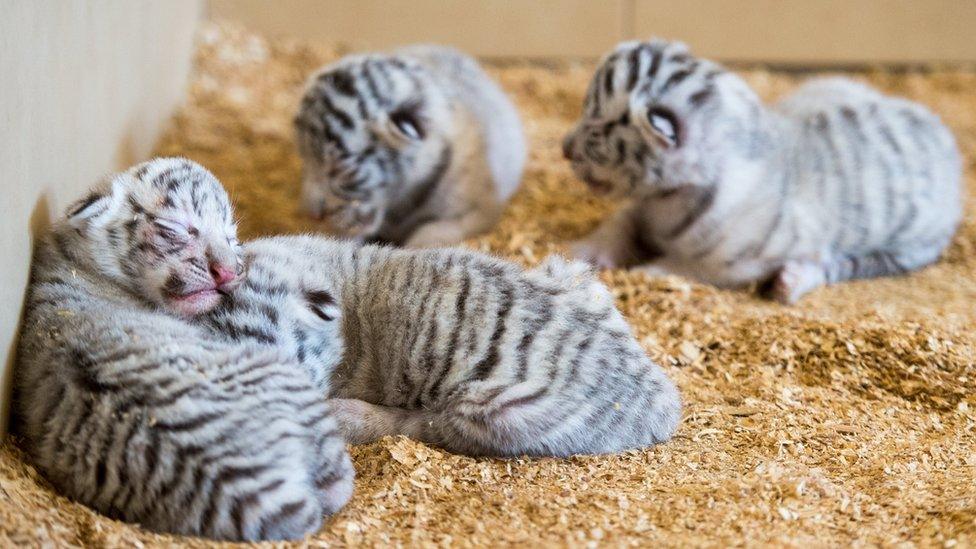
x=456 y=348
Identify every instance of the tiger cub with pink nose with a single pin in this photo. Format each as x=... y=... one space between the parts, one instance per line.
x=128 y=404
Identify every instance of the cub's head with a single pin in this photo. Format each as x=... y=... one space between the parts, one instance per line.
x=164 y=230
x=370 y=130
x=656 y=119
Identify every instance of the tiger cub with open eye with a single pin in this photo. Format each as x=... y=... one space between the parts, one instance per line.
x=127 y=404
x=458 y=349
x=418 y=147
x=834 y=182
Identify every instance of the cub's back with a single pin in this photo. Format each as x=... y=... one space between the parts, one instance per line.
x=890 y=161
x=897 y=124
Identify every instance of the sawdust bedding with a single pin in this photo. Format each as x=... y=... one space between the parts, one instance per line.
x=848 y=418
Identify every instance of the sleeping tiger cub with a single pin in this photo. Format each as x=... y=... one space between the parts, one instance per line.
x=418 y=147
x=456 y=348
x=126 y=405
x=835 y=182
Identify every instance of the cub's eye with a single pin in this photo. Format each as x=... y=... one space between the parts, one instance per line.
x=171 y=230
x=408 y=123
x=664 y=124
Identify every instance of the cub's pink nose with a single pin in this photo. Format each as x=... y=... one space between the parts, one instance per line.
x=222 y=274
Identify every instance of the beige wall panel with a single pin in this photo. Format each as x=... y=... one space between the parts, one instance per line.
x=815 y=31
x=537 y=28
x=792 y=31
x=85 y=89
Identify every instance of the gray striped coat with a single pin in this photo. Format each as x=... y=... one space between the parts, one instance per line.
x=128 y=407
x=459 y=349
x=417 y=147
x=834 y=182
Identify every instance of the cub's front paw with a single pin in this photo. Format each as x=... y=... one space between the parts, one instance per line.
x=597 y=253
x=435 y=237
x=792 y=281
x=357 y=220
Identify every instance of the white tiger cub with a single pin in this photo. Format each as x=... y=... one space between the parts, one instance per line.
x=456 y=348
x=417 y=147
x=126 y=406
x=835 y=182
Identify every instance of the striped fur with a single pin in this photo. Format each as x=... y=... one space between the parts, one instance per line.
x=418 y=147
x=465 y=351
x=127 y=407
x=283 y=304
x=835 y=182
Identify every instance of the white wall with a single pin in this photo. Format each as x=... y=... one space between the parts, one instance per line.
x=785 y=31
x=482 y=27
x=84 y=90
x=816 y=31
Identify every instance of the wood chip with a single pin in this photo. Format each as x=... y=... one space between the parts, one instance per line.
x=742 y=411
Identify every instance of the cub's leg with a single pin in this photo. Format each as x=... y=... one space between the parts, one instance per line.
x=495 y=422
x=797 y=277
x=522 y=419
x=334 y=472
x=616 y=243
x=447 y=232
x=794 y=279
x=361 y=422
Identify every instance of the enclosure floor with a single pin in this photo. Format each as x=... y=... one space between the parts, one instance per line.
x=846 y=418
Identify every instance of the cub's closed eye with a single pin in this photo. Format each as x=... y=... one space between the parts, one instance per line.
x=171 y=229
x=665 y=124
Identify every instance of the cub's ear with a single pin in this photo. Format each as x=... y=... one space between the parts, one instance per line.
x=322 y=304
x=99 y=202
x=91 y=206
